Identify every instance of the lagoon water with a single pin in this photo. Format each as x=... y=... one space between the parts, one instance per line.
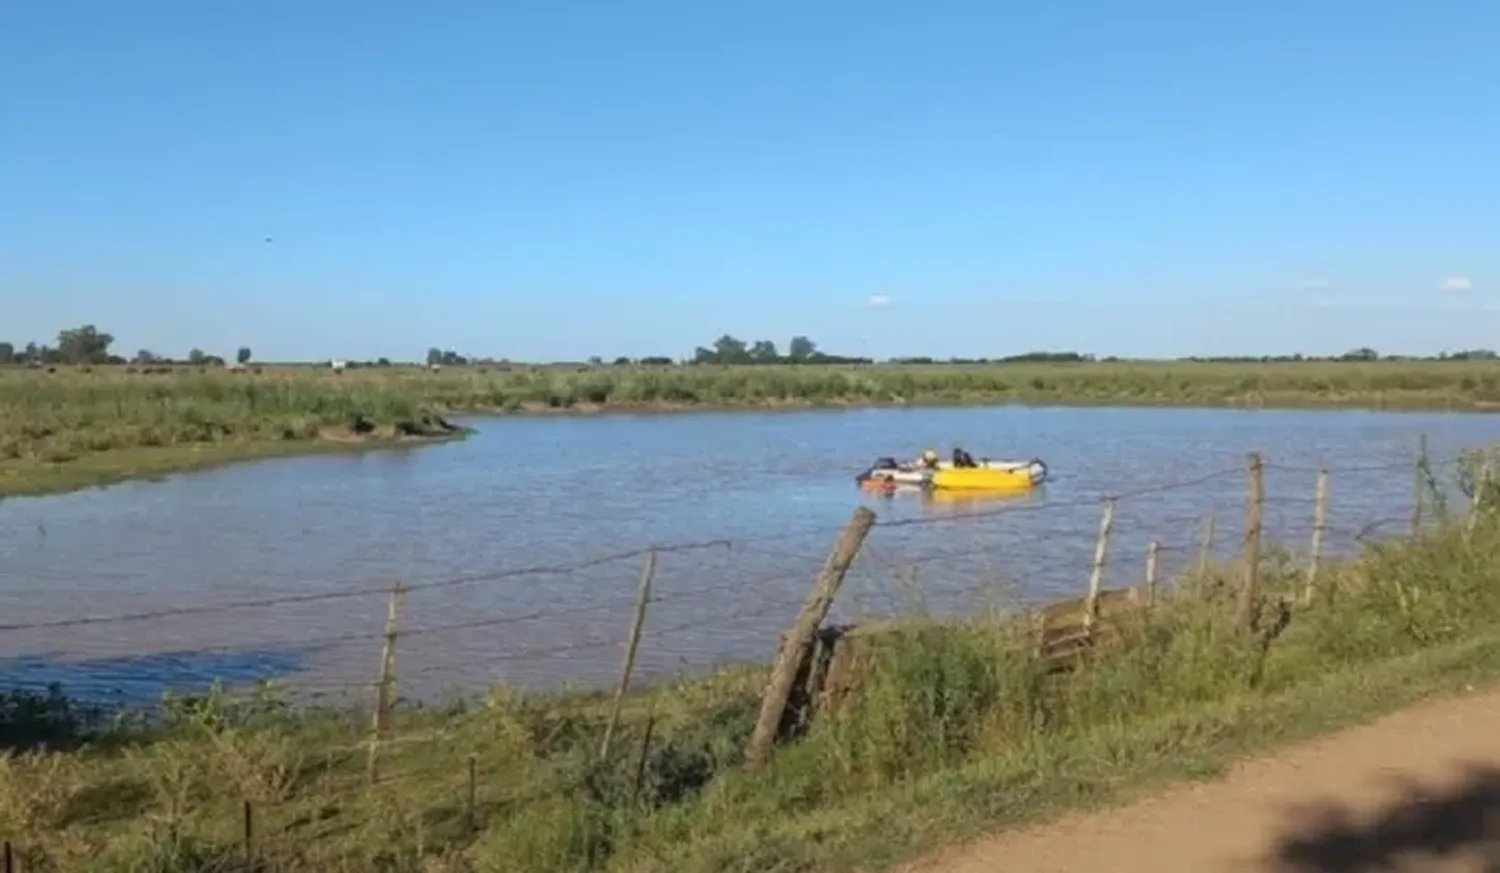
x=521 y=546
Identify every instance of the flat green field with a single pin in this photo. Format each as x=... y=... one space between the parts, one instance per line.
x=952 y=729
x=78 y=426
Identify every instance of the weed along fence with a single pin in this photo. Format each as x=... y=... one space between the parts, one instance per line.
x=920 y=641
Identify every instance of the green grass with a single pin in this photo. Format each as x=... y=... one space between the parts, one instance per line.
x=956 y=730
x=88 y=426
x=121 y=421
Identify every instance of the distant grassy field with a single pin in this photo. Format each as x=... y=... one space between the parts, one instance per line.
x=76 y=426
x=954 y=730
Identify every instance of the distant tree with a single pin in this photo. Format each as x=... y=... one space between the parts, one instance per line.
x=730 y=350
x=434 y=356
x=383 y=362
x=197 y=356
x=801 y=349
x=1048 y=357
x=1362 y=354
x=595 y=361
x=243 y=355
x=7 y=353
x=656 y=361
x=84 y=345
x=764 y=352
x=145 y=356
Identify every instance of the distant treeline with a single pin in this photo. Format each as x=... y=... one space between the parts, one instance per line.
x=89 y=345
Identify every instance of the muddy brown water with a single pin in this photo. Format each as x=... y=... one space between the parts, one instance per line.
x=521 y=544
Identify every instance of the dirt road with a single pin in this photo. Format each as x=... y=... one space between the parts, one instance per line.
x=1418 y=790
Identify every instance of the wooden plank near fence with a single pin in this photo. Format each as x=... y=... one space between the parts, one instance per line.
x=1320 y=524
x=381 y=721
x=637 y=622
x=1249 y=601
x=799 y=640
x=1096 y=569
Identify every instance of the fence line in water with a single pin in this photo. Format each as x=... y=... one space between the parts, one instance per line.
x=371 y=748
x=580 y=641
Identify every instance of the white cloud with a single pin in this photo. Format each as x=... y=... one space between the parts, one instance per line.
x=878 y=301
x=1457 y=283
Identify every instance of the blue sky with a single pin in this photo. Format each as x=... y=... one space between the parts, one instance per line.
x=557 y=179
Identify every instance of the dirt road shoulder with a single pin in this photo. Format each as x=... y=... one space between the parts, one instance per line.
x=1419 y=789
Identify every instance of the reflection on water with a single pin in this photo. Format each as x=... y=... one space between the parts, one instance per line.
x=315 y=542
x=949 y=503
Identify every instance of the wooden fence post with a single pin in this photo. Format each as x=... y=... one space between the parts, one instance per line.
x=249 y=829
x=1320 y=524
x=1418 y=484
x=1206 y=544
x=1153 y=557
x=10 y=858
x=471 y=800
x=1476 y=500
x=640 y=761
x=381 y=722
x=637 y=622
x=1249 y=604
x=799 y=640
x=1096 y=569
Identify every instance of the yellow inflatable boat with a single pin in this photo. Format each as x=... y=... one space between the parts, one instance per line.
x=989 y=475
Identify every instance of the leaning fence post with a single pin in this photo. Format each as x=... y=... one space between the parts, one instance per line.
x=637 y=621
x=380 y=723
x=1320 y=524
x=1096 y=569
x=799 y=640
x=1153 y=558
x=1249 y=603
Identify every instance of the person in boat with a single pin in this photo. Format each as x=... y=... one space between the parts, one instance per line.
x=962 y=458
x=929 y=460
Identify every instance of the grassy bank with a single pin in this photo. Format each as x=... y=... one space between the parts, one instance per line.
x=78 y=426
x=953 y=730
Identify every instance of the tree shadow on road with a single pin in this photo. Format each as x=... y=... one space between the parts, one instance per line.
x=1426 y=827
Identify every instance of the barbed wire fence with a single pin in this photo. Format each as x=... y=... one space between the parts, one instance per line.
x=620 y=621
x=704 y=608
